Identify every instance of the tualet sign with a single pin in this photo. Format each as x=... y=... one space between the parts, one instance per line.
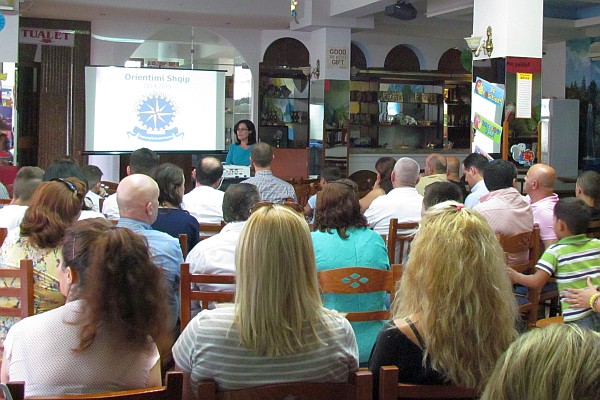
x=46 y=37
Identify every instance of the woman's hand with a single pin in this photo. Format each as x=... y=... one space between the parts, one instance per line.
x=580 y=298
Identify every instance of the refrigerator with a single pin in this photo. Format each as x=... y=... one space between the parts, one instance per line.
x=560 y=136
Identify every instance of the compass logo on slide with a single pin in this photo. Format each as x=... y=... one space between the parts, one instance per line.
x=156 y=114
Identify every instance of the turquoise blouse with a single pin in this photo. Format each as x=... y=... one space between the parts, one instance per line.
x=238 y=156
x=362 y=248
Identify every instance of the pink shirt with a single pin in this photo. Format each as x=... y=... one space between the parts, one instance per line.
x=508 y=213
x=543 y=215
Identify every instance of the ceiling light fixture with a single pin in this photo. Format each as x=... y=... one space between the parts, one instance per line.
x=401 y=10
x=476 y=45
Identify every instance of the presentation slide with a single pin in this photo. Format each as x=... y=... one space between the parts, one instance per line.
x=161 y=109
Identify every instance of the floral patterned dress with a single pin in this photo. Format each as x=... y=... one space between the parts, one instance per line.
x=45 y=266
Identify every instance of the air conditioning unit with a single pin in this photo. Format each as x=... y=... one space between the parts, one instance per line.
x=594 y=51
x=401 y=10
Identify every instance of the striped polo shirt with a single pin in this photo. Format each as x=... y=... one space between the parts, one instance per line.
x=572 y=260
x=210 y=348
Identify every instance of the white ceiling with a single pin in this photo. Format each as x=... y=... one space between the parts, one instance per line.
x=436 y=18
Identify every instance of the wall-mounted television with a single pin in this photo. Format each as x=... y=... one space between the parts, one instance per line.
x=161 y=109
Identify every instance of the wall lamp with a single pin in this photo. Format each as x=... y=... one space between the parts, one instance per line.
x=316 y=72
x=476 y=44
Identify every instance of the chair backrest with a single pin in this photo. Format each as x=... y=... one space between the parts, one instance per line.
x=358 y=387
x=303 y=191
x=183 y=243
x=208 y=230
x=173 y=390
x=398 y=240
x=356 y=280
x=519 y=243
x=109 y=187
x=542 y=323
x=190 y=293
x=5 y=201
x=390 y=389
x=3 y=234
x=594 y=229
x=24 y=292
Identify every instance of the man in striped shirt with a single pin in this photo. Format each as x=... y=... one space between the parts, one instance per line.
x=572 y=260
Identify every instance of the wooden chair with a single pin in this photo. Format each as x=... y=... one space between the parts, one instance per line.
x=513 y=244
x=5 y=201
x=173 y=390
x=390 y=389
x=549 y=321
x=356 y=280
x=593 y=230
x=208 y=230
x=303 y=191
x=190 y=293
x=183 y=243
x=24 y=293
x=3 y=234
x=109 y=187
x=398 y=240
x=358 y=387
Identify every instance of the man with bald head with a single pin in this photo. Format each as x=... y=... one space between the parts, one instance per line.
x=402 y=202
x=539 y=185
x=137 y=198
x=453 y=174
x=205 y=202
x=435 y=171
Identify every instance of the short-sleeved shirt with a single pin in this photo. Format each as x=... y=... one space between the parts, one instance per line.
x=272 y=188
x=39 y=351
x=46 y=289
x=572 y=260
x=404 y=203
x=205 y=203
x=237 y=155
x=210 y=348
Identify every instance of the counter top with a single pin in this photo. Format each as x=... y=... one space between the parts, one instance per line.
x=381 y=150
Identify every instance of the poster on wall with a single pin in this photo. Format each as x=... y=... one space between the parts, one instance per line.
x=486 y=116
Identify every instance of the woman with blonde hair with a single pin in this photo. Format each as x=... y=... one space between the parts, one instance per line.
x=557 y=362
x=454 y=311
x=277 y=331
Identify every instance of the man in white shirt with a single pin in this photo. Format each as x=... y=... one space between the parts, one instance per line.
x=205 y=201
x=142 y=161
x=216 y=255
x=402 y=202
x=26 y=181
x=473 y=166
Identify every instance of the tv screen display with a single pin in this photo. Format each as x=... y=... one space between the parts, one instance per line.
x=162 y=109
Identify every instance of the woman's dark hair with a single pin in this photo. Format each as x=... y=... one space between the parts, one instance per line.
x=169 y=177
x=338 y=208
x=122 y=288
x=384 y=166
x=53 y=207
x=251 y=131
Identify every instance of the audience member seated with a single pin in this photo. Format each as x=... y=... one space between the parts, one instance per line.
x=403 y=202
x=216 y=255
x=271 y=188
x=453 y=174
x=142 y=161
x=473 y=167
x=171 y=218
x=328 y=174
x=539 y=185
x=26 y=181
x=205 y=201
x=6 y=155
x=67 y=167
x=572 y=259
x=454 y=312
x=245 y=138
x=341 y=239
x=588 y=190
x=438 y=192
x=137 y=197
x=53 y=207
x=435 y=171
x=93 y=174
x=101 y=339
x=503 y=207
x=556 y=362
x=383 y=184
x=278 y=330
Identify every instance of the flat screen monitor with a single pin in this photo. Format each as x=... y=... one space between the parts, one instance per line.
x=161 y=109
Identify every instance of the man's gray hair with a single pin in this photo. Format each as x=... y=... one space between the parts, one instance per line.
x=406 y=172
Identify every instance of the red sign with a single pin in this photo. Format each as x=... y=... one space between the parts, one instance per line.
x=522 y=64
x=47 y=37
